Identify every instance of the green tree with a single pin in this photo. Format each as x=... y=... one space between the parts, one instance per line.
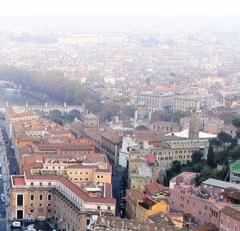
x=197 y=157
x=206 y=174
x=128 y=110
x=235 y=153
x=225 y=139
x=211 y=157
x=176 y=166
x=109 y=110
x=74 y=114
x=236 y=123
x=55 y=115
x=177 y=115
x=160 y=116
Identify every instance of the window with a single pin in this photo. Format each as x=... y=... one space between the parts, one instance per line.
x=86 y=179
x=31 y=210
x=19 y=200
x=98 y=176
x=49 y=197
x=19 y=214
x=40 y=183
x=40 y=205
x=40 y=197
x=32 y=183
x=109 y=208
x=98 y=207
x=49 y=205
x=32 y=197
x=101 y=176
x=49 y=210
x=31 y=205
x=49 y=183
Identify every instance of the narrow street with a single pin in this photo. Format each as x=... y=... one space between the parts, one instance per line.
x=119 y=184
x=4 y=187
x=8 y=166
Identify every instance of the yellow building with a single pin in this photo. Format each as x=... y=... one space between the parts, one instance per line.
x=149 y=207
x=88 y=174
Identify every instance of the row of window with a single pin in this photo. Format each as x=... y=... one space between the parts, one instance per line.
x=176 y=158
x=70 y=173
x=41 y=197
x=32 y=210
x=32 y=183
x=54 y=167
x=176 y=152
x=40 y=205
x=86 y=179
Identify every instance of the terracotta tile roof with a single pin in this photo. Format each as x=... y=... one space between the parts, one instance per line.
x=74 y=188
x=154 y=188
x=112 y=136
x=80 y=166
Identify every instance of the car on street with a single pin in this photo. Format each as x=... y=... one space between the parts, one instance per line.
x=16 y=224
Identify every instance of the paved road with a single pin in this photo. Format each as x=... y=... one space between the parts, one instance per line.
x=3 y=220
x=6 y=160
x=119 y=186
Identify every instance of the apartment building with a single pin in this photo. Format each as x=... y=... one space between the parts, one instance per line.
x=186 y=103
x=143 y=203
x=155 y=101
x=36 y=196
x=206 y=203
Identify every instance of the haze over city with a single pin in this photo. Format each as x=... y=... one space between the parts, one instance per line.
x=119 y=16
x=119 y=115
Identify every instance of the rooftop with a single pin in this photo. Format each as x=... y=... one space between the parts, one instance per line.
x=185 y=134
x=232 y=211
x=221 y=184
x=19 y=180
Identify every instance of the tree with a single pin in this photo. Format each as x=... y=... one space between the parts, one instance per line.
x=211 y=157
x=225 y=139
x=74 y=114
x=160 y=116
x=236 y=123
x=176 y=166
x=177 y=115
x=235 y=153
x=56 y=116
x=109 y=110
x=128 y=110
x=197 y=157
x=52 y=85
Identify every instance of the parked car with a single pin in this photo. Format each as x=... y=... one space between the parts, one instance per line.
x=16 y=224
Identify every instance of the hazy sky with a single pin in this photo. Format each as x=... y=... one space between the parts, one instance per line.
x=119 y=14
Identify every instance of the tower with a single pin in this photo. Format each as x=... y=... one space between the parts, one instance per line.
x=194 y=127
